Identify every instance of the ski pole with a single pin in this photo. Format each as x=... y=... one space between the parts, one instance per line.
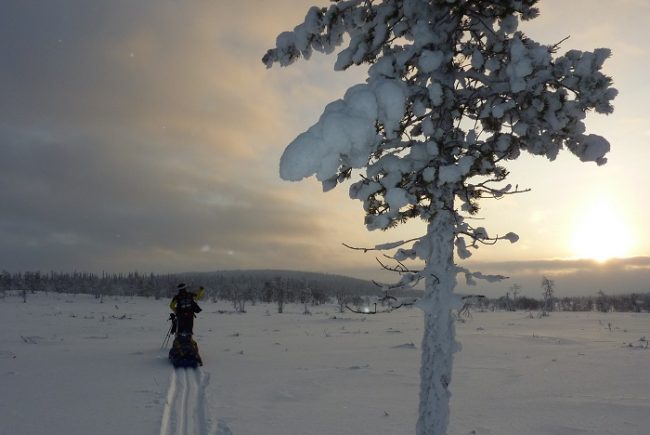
x=166 y=340
x=172 y=328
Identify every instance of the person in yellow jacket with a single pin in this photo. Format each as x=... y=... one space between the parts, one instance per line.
x=185 y=307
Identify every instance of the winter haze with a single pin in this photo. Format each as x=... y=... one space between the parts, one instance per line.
x=147 y=135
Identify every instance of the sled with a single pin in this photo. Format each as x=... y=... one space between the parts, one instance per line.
x=185 y=352
x=185 y=363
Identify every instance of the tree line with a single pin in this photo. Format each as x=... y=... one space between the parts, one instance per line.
x=631 y=302
x=239 y=287
x=283 y=287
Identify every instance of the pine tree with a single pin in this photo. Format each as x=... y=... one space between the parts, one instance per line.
x=454 y=91
x=548 y=288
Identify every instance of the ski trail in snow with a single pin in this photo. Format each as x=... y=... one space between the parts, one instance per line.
x=185 y=407
x=182 y=405
x=168 y=412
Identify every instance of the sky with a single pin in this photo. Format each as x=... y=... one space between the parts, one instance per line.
x=147 y=136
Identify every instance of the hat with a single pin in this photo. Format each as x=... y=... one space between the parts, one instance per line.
x=181 y=287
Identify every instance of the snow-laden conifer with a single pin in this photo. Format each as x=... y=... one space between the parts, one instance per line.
x=454 y=91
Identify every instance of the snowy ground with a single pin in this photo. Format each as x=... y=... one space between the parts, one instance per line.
x=70 y=365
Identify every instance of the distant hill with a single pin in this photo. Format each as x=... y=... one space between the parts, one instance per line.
x=323 y=283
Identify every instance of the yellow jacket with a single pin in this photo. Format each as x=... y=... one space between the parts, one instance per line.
x=196 y=296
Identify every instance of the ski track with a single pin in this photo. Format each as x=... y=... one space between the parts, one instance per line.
x=185 y=406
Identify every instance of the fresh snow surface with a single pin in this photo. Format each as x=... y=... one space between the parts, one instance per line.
x=70 y=365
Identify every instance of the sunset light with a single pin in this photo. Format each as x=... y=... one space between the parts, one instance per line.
x=601 y=233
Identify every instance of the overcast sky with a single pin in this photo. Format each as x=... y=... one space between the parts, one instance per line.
x=146 y=135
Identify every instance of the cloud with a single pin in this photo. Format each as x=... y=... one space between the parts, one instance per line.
x=572 y=277
x=90 y=203
x=135 y=133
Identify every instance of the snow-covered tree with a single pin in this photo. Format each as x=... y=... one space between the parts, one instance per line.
x=548 y=289
x=454 y=91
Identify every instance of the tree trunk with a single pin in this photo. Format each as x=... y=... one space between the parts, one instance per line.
x=438 y=343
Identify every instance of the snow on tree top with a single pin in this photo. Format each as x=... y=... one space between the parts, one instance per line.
x=454 y=90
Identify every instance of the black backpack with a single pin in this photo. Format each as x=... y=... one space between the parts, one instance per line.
x=185 y=304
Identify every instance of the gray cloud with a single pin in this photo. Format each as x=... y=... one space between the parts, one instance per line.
x=572 y=277
x=86 y=204
x=151 y=69
x=133 y=137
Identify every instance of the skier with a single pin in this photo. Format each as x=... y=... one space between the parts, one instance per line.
x=185 y=307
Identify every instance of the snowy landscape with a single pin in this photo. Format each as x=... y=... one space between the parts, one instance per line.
x=144 y=147
x=71 y=364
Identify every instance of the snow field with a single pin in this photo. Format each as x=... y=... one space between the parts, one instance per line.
x=70 y=365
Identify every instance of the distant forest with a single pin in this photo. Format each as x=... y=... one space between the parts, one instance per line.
x=282 y=286
x=632 y=302
x=251 y=285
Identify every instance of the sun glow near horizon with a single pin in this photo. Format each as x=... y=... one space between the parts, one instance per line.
x=601 y=232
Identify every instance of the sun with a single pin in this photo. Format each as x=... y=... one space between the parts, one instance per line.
x=601 y=233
